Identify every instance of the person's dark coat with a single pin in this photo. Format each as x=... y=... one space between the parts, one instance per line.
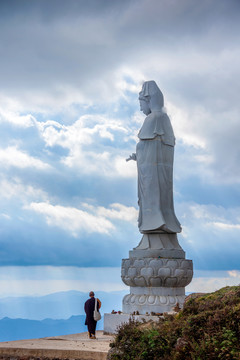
x=89 y=309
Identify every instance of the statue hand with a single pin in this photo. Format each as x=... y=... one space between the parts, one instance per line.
x=132 y=157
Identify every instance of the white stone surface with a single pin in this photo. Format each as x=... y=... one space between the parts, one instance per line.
x=154 y=156
x=157 y=272
x=151 y=303
x=156 y=284
x=158 y=245
x=160 y=291
x=113 y=321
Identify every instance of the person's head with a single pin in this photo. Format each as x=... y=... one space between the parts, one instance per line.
x=91 y=294
x=152 y=96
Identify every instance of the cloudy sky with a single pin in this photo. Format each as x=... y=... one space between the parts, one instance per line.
x=69 y=115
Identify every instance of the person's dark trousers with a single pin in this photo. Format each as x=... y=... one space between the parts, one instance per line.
x=92 y=328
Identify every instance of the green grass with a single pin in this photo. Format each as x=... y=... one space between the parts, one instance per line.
x=208 y=328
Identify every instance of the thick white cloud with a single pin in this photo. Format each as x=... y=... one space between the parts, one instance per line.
x=90 y=220
x=72 y=219
x=211 y=143
x=14 y=188
x=211 y=282
x=211 y=219
x=9 y=114
x=82 y=140
x=116 y=211
x=12 y=156
x=226 y=226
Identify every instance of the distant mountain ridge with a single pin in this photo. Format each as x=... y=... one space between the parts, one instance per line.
x=61 y=305
x=20 y=329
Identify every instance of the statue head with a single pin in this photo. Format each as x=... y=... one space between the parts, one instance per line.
x=144 y=105
x=151 y=97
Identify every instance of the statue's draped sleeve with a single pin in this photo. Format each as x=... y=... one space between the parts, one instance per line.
x=157 y=123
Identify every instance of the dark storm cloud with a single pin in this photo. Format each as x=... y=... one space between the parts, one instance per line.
x=49 y=10
x=47 y=46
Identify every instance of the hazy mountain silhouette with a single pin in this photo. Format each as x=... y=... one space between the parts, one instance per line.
x=19 y=329
x=61 y=305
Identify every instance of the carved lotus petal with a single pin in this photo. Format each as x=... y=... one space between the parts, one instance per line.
x=164 y=272
x=142 y=299
x=186 y=264
x=139 y=281
x=123 y=272
x=127 y=280
x=139 y=263
x=163 y=300
x=132 y=271
x=126 y=299
x=126 y=263
x=171 y=282
x=146 y=271
x=183 y=282
x=179 y=272
x=189 y=273
x=155 y=281
x=156 y=263
x=172 y=264
x=151 y=299
x=132 y=299
x=172 y=300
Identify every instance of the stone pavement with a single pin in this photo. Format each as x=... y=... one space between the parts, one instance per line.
x=76 y=346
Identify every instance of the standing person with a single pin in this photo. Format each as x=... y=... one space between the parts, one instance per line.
x=89 y=309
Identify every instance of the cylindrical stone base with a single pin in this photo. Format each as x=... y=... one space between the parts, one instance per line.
x=156 y=284
x=157 y=300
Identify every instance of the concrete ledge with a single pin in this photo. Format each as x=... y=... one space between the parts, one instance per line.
x=76 y=346
x=113 y=321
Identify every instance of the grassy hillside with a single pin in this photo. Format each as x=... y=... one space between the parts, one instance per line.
x=208 y=328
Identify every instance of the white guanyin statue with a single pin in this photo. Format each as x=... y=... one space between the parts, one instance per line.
x=156 y=270
x=154 y=156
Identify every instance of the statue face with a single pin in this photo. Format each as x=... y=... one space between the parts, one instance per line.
x=144 y=107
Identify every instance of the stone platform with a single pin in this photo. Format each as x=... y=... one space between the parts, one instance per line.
x=76 y=346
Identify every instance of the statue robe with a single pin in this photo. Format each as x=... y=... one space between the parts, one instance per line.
x=155 y=152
